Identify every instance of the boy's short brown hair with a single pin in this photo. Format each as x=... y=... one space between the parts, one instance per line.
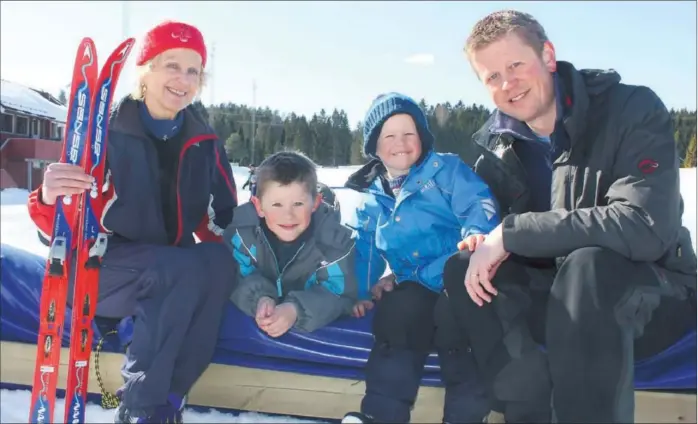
x=285 y=168
x=496 y=25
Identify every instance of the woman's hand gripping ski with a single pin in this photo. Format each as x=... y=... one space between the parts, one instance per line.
x=273 y=319
x=487 y=254
x=385 y=284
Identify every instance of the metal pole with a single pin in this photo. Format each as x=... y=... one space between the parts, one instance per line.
x=124 y=19
x=29 y=175
x=254 y=112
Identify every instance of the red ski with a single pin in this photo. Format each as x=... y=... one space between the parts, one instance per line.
x=91 y=238
x=85 y=145
x=55 y=286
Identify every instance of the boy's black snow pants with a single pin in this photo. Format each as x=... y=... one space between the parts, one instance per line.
x=599 y=313
x=409 y=322
x=177 y=296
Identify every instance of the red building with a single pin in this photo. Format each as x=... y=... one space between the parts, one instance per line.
x=32 y=125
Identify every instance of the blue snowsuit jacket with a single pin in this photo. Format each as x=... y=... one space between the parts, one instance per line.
x=441 y=202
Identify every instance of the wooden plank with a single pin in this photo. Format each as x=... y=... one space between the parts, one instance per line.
x=286 y=393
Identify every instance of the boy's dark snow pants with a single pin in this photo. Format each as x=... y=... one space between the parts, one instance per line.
x=177 y=296
x=599 y=313
x=408 y=323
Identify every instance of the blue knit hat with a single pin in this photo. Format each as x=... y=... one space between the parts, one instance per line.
x=387 y=105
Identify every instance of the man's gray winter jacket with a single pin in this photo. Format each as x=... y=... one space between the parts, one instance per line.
x=615 y=185
x=318 y=280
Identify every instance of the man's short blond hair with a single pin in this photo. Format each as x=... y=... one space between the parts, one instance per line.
x=499 y=24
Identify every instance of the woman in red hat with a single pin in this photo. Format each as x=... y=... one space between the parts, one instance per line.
x=167 y=180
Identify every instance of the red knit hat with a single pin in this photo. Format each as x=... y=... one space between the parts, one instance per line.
x=171 y=35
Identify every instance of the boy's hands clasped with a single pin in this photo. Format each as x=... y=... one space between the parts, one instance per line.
x=273 y=319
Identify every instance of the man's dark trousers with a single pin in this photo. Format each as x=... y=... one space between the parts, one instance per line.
x=602 y=313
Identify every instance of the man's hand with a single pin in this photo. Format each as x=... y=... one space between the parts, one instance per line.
x=484 y=263
x=281 y=320
x=471 y=242
x=361 y=307
x=386 y=284
x=265 y=308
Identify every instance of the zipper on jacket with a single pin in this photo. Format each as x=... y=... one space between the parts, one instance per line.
x=279 y=273
x=278 y=280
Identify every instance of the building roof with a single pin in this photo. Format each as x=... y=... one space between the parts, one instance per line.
x=29 y=101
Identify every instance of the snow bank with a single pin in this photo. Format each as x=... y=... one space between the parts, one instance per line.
x=14 y=196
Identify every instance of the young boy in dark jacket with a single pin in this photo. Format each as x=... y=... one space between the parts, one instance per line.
x=295 y=257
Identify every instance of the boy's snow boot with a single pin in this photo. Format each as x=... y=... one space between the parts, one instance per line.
x=466 y=399
x=356 y=418
x=392 y=382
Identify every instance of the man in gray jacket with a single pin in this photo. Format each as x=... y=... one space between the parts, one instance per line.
x=295 y=257
x=591 y=258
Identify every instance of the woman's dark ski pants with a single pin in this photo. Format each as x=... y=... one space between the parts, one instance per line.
x=409 y=322
x=177 y=296
x=600 y=313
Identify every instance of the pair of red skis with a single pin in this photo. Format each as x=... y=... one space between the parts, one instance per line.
x=84 y=145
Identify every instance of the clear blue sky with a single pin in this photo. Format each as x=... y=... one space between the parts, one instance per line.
x=308 y=56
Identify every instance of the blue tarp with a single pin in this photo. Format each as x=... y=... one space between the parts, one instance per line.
x=339 y=350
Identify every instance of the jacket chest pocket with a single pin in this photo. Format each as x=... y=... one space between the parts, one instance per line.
x=580 y=183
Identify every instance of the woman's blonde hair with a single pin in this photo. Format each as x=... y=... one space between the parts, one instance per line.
x=139 y=90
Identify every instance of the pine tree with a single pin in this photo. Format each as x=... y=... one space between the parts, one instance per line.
x=62 y=98
x=690 y=159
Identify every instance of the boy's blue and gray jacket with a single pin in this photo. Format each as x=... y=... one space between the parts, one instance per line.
x=441 y=202
x=319 y=280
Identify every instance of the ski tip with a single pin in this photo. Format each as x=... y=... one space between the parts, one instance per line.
x=86 y=48
x=124 y=48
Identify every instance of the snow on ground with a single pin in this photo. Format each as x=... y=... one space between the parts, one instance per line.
x=14 y=408
x=17 y=229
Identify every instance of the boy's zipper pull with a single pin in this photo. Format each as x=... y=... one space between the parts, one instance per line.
x=278 y=287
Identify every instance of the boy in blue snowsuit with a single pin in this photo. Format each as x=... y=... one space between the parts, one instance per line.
x=418 y=205
x=295 y=257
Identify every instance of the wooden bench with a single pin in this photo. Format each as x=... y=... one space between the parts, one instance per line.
x=286 y=393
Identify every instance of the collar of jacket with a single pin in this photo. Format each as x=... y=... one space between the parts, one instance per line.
x=125 y=118
x=161 y=129
x=367 y=178
x=580 y=86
